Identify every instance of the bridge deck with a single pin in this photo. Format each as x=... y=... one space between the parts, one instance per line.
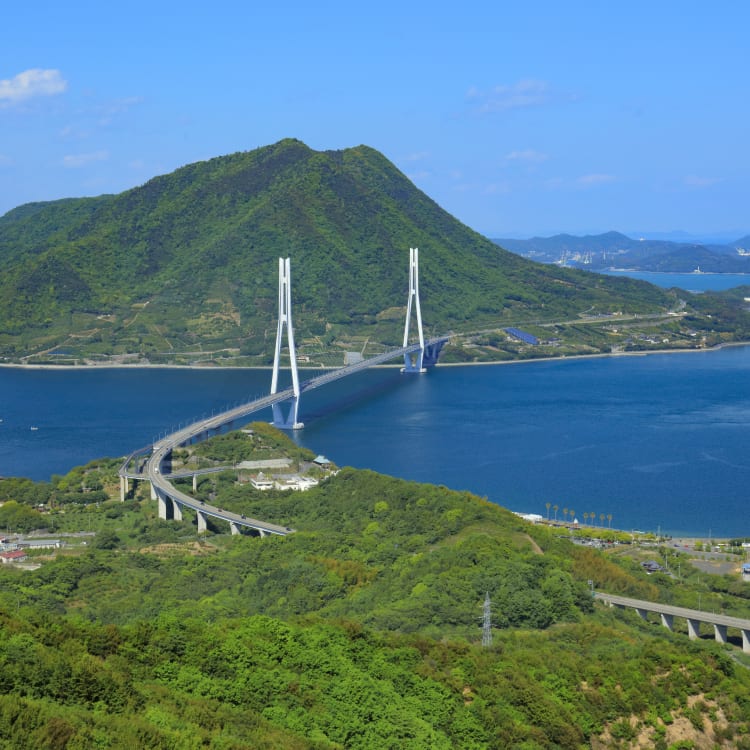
x=160 y=482
x=698 y=615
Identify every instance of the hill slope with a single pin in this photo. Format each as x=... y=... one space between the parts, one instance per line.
x=189 y=260
x=361 y=630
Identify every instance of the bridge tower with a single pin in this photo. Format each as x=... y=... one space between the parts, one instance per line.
x=285 y=319
x=413 y=362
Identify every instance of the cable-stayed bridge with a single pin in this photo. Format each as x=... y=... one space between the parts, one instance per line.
x=148 y=463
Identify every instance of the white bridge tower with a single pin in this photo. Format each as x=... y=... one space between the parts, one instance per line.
x=414 y=362
x=285 y=318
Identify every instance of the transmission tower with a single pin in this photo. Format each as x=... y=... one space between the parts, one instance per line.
x=487 y=622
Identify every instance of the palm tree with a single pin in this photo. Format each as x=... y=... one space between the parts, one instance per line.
x=585 y=517
x=609 y=519
x=601 y=519
x=592 y=516
x=572 y=515
x=565 y=514
x=555 y=507
x=548 y=505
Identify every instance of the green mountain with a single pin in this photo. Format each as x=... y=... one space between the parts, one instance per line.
x=188 y=262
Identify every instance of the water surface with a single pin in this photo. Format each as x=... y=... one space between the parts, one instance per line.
x=657 y=441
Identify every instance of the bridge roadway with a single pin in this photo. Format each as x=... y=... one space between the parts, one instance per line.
x=694 y=617
x=171 y=500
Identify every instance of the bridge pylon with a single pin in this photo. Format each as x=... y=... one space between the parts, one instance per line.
x=413 y=362
x=285 y=319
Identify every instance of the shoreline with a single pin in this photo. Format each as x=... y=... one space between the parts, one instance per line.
x=677 y=529
x=219 y=368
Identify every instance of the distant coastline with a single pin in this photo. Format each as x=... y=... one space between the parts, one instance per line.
x=563 y=358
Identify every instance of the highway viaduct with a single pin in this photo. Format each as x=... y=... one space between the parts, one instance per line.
x=693 y=617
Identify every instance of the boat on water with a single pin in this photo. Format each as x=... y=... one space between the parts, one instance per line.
x=33 y=428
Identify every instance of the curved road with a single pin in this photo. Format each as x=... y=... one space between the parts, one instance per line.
x=162 y=485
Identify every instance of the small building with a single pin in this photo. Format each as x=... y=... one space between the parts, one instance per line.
x=261 y=482
x=321 y=461
x=14 y=556
x=524 y=336
x=40 y=543
x=746 y=571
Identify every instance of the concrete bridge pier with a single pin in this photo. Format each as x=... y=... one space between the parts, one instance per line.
x=195 y=482
x=642 y=612
x=169 y=510
x=720 y=633
x=123 y=488
x=235 y=528
x=694 y=629
x=667 y=621
x=202 y=526
x=153 y=492
x=746 y=641
x=162 y=506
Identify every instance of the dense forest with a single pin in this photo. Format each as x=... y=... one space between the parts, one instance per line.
x=361 y=630
x=187 y=264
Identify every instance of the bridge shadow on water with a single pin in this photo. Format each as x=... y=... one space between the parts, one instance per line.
x=319 y=404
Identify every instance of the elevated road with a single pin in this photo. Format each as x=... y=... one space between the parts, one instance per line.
x=172 y=500
x=693 y=617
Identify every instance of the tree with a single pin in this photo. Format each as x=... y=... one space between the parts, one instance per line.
x=106 y=539
x=555 y=507
x=548 y=506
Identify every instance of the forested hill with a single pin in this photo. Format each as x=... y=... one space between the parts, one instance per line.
x=188 y=261
x=361 y=630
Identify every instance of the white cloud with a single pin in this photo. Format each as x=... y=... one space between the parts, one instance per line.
x=701 y=182
x=527 y=155
x=525 y=93
x=31 y=83
x=417 y=156
x=497 y=188
x=109 y=111
x=591 y=180
x=73 y=161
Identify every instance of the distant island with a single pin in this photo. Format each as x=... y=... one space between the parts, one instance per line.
x=615 y=250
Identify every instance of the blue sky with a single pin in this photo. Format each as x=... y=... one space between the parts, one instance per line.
x=519 y=119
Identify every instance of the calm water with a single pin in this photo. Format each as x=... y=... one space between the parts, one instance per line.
x=656 y=441
x=692 y=282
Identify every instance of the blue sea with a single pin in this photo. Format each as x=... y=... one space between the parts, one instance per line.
x=660 y=442
x=691 y=282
